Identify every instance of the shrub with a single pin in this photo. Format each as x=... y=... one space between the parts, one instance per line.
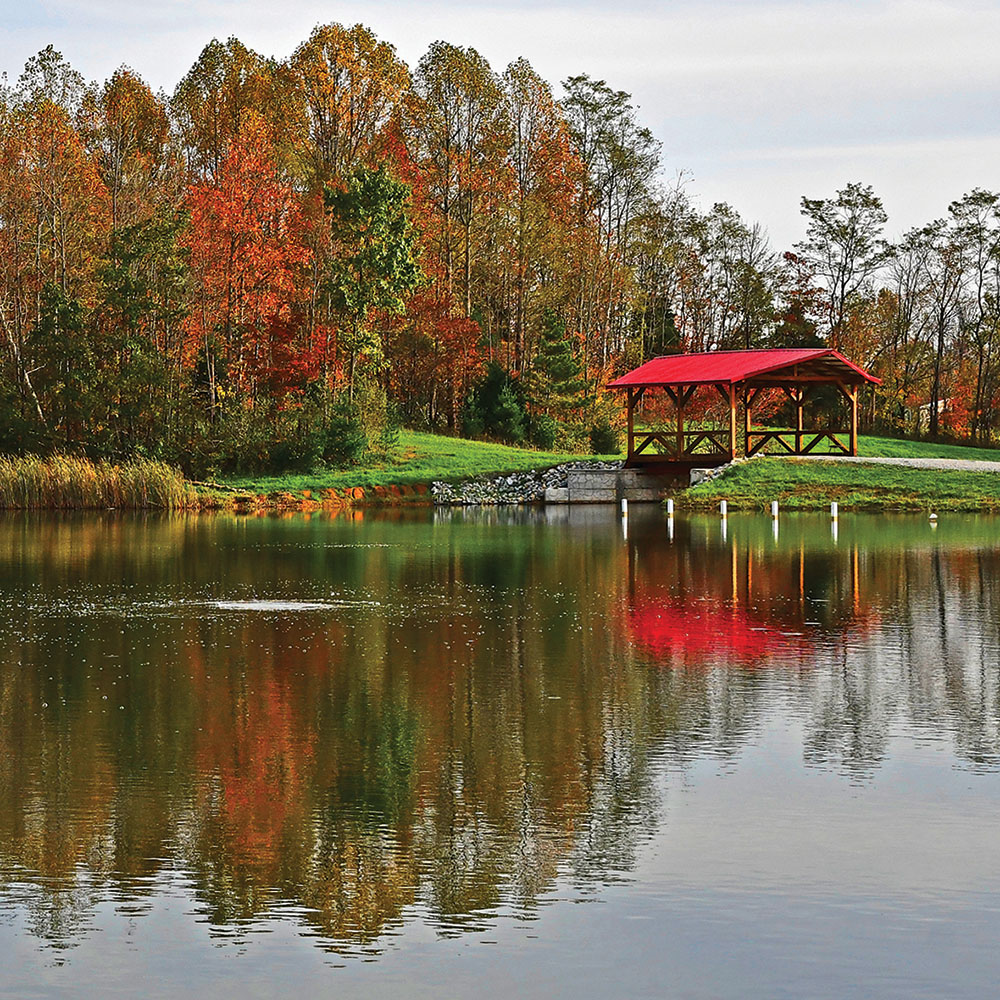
x=344 y=438
x=544 y=430
x=471 y=419
x=496 y=408
x=509 y=417
x=604 y=439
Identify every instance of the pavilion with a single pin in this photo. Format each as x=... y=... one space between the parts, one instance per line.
x=739 y=377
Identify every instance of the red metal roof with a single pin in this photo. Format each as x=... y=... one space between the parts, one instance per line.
x=729 y=367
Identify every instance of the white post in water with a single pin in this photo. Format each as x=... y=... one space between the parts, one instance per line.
x=723 y=508
x=774 y=509
x=624 y=507
x=834 y=510
x=670 y=508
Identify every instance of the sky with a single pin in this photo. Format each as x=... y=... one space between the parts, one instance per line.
x=757 y=103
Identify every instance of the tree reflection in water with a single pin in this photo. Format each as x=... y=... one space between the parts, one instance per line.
x=473 y=704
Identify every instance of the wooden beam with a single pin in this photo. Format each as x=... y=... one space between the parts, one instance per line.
x=732 y=422
x=680 y=400
x=630 y=406
x=770 y=382
x=854 y=420
x=798 y=421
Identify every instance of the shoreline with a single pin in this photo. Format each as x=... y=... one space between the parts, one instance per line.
x=431 y=470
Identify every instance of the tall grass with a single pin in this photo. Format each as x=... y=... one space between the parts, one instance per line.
x=65 y=482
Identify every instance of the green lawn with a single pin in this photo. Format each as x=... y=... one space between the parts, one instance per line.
x=891 y=448
x=420 y=458
x=805 y=485
x=798 y=484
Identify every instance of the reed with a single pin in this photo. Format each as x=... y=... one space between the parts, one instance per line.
x=66 y=482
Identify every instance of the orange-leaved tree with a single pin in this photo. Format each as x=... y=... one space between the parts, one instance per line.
x=248 y=254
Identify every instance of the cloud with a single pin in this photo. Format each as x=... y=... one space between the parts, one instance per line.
x=916 y=180
x=841 y=88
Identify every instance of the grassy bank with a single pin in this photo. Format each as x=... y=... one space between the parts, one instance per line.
x=799 y=484
x=64 y=482
x=420 y=459
x=424 y=458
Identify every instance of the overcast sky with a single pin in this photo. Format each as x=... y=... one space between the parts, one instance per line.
x=758 y=102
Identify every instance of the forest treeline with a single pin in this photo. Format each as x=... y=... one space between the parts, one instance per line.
x=281 y=261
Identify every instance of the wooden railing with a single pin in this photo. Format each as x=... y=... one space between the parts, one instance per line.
x=693 y=444
x=792 y=442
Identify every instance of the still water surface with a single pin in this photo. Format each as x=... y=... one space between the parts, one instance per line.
x=511 y=754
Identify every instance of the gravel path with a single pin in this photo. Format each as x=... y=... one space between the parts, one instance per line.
x=959 y=464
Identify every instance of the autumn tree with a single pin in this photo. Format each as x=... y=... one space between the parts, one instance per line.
x=663 y=259
x=457 y=136
x=247 y=254
x=53 y=217
x=352 y=86
x=126 y=125
x=943 y=263
x=976 y=221
x=227 y=84
x=544 y=172
x=844 y=248
x=621 y=158
x=903 y=351
x=434 y=357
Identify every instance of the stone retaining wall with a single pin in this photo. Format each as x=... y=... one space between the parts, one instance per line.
x=583 y=482
x=612 y=486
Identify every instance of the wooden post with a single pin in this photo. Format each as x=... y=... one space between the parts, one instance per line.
x=853 y=393
x=799 y=400
x=732 y=422
x=630 y=406
x=748 y=401
x=680 y=422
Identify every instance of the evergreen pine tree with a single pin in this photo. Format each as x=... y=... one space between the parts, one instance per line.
x=556 y=379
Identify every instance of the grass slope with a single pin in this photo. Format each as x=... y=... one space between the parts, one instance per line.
x=423 y=458
x=805 y=485
x=420 y=458
x=880 y=447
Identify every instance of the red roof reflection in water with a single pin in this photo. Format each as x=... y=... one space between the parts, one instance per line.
x=699 y=633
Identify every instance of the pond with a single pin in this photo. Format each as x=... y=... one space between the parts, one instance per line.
x=503 y=753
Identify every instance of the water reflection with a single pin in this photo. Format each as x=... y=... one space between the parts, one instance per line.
x=351 y=723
